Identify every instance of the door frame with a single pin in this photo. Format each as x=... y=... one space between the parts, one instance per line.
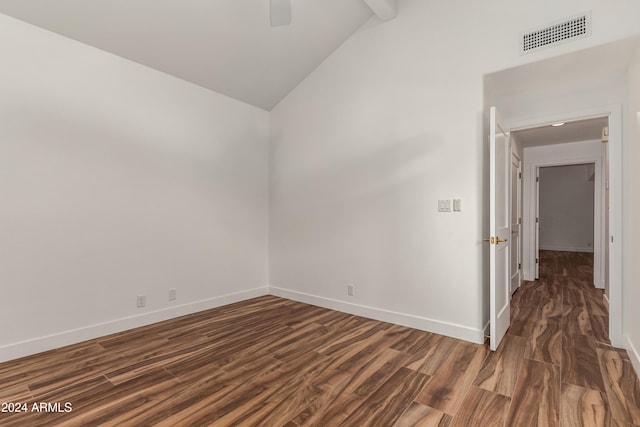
x=516 y=248
x=614 y=239
x=599 y=212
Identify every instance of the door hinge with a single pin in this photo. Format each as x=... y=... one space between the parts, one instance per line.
x=536 y=260
x=537 y=220
x=520 y=175
x=520 y=220
x=537 y=179
x=519 y=266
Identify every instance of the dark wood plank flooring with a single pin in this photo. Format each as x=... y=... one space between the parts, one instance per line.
x=275 y=362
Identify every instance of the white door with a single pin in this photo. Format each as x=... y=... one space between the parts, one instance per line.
x=516 y=222
x=499 y=227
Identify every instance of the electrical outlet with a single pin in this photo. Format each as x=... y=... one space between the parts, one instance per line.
x=351 y=290
x=172 y=294
x=141 y=301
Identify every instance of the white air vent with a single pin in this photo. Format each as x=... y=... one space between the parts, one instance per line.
x=574 y=28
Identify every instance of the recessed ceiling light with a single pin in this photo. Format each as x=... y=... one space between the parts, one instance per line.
x=557 y=124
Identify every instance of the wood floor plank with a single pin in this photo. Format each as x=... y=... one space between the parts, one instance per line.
x=622 y=385
x=388 y=402
x=432 y=357
x=447 y=388
x=536 y=399
x=375 y=372
x=545 y=342
x=482 y=408
x=350 y=389
x=500 y=369
x=550 y=307
x=600 y=328
x=582 y=407
x=580 y=362
x=576 y=320
x=418 y=415
x=595 y=304
x=18 y=393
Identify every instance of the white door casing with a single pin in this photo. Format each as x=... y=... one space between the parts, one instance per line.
x=537 y=224
x=611 y=239
x=499 y=229
x=516 y=222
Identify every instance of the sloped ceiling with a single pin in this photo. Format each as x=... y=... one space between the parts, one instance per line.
x=225 y=45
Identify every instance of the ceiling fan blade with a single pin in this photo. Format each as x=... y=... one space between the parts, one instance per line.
x=280 y=12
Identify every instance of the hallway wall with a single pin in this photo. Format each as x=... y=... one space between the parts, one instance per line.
x=631 y=200
x=566 y=208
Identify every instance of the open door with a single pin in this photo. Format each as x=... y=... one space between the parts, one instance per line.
x=500 y=229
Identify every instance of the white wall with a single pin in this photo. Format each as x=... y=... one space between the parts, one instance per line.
x=566 y=208
x=118 y=180
x=631 y=200
x=367 y=144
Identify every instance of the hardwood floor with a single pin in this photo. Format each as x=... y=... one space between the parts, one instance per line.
x=276 y=362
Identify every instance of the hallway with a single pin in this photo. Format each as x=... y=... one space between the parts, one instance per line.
x=560 y=327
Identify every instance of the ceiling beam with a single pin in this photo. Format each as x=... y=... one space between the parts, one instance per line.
x=384 y=9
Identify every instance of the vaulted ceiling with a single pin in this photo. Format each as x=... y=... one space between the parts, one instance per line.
x=225 y=45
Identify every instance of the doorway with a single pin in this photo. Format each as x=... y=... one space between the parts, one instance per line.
x=579 y=85
x=566 y=209
x=607 y=157
x=573 y=149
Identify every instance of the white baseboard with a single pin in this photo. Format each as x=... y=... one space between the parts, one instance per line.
x=633 y=355
x=444 y=328
x=74 y=336
x=566 y=248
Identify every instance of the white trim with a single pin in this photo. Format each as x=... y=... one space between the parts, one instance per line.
x=556 y=155
x=634 y=355
x=516 y=249
x=615 y=225
x=614 y=113
x=566 y=248
x=417 y=322
x=74 y=336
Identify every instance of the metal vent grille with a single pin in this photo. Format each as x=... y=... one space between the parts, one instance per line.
x=570 y=29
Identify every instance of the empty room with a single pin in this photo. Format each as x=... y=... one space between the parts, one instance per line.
x=319 y=212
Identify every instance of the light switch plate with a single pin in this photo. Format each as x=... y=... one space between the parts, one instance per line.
x=444 y=205
x=457 y=205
